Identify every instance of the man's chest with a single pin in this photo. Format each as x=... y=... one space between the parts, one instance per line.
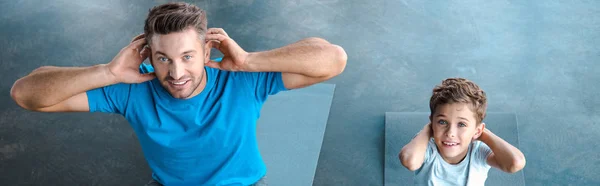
x=217 y=117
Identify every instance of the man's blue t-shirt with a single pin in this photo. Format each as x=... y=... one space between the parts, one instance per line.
x=208 y=139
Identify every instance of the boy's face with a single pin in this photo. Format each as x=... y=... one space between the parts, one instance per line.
x=178 y=59
x=454 y=127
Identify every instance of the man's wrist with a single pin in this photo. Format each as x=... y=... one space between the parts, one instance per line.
x=249 y=62
x=108 y=74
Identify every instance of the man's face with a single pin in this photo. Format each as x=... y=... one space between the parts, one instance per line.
x=178 y=61
x=454 y=127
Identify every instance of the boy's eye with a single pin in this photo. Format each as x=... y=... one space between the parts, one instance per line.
x=187 y=57
x=462 y=125
x=443 y=122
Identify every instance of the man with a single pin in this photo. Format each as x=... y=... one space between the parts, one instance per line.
x=195 y=118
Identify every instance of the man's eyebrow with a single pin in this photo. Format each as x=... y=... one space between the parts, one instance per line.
x=189 y=51
x=161 y=53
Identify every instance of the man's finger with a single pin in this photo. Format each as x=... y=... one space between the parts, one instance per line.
x=138 y=37
x=218 y=37
x=145 y=53
x=213 y=64
x=214 y=44
x=217 y=31
x=146 y=77
x=138 y=44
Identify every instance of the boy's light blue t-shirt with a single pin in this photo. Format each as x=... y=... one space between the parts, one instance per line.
x=472 y=170
x=209 y=139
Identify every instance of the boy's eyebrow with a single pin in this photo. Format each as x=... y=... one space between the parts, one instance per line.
x=463 y=118
x=440 y=115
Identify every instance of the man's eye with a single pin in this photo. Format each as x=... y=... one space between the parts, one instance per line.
x=163 y=59
x=442 y=122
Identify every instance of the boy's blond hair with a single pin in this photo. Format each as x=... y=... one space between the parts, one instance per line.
x=460 y=90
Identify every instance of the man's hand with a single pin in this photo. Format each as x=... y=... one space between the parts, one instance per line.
x=125 y=66
x=234 y=58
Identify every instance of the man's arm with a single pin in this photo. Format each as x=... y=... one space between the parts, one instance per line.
x=59 y=89
x=504 y=156
x=306 y=62
x=413 y=153
x=63 y=89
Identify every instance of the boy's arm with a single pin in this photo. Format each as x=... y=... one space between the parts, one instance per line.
x=413 y=153
x=504 y=156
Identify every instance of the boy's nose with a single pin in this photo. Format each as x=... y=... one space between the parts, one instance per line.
x=450 y=132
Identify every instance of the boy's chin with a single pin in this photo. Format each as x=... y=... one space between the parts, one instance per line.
x=453 y=155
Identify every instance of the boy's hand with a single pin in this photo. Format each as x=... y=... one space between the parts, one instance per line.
x=428 y=130
x=483 y=135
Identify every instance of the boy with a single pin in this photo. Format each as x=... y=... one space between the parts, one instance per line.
x=455 y=148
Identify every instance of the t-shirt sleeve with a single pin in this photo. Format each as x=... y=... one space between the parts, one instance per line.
x=110 y=99
x=482 y=153
x=264 y=84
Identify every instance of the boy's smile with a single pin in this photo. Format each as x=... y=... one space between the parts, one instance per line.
x=454 y=127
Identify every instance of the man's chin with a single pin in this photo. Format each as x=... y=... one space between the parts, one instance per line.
x=180 y=94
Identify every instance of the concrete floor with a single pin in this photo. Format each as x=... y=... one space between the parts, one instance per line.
x=539 y=59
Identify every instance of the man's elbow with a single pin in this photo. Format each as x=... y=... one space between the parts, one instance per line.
x=17 y=96
x=339 y=61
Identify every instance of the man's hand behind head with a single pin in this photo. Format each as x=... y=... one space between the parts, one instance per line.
x=125 y=66
x=234 y=57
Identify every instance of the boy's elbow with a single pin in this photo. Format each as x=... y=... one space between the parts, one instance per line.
x=517 y=165
x=409 y=163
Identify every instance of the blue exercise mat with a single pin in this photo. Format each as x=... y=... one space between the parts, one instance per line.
x=290 y=133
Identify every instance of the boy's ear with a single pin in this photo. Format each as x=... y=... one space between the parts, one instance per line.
x=479 y=129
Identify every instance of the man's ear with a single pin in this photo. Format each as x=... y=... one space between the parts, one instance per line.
x=479 y=129
x=207 y=49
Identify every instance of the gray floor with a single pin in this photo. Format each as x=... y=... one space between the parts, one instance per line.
x=538 y=58
x=401 y=127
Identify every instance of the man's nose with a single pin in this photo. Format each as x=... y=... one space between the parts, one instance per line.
x=176 y=71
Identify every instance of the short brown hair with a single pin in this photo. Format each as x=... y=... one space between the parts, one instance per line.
x=175 y=17
x=460 y=90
